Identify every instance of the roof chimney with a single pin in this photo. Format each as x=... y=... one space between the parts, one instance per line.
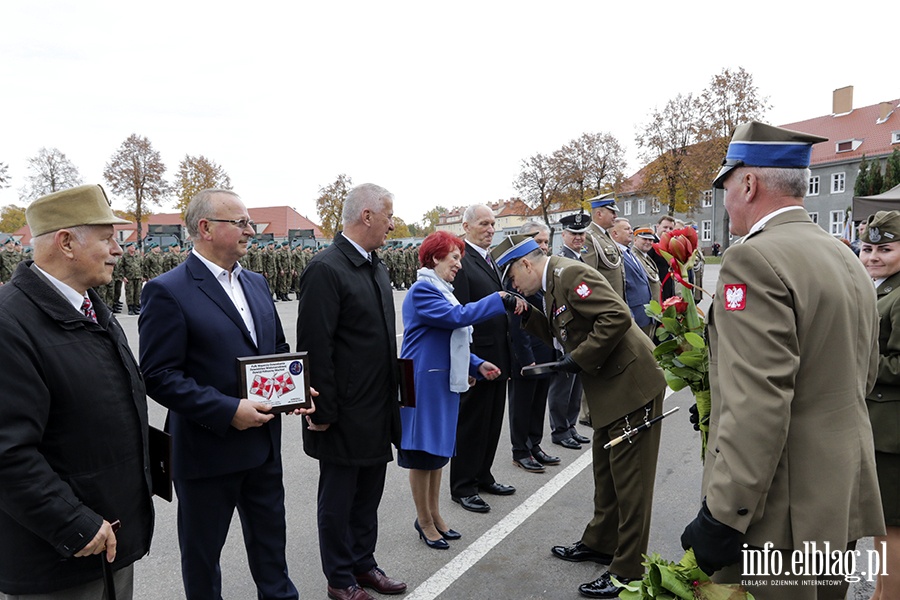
x=842 y=100
x=884 y=111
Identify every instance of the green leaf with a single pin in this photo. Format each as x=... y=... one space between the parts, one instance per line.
x=654 y=308
x=674 y=382
x=667 y=346
x=693 y=359
x=671 y=325
x=695 y=340
x=686 y=374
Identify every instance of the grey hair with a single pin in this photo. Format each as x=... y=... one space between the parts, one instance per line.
x=42 y=243
x=537 y=226
x=621 y=220
x=200 y=207
x=366 y=196
x=469 y=215
x=790 y=182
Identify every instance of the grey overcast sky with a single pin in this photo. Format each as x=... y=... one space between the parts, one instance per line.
x=437 y=101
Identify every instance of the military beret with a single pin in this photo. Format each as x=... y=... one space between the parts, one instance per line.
x=882 y=228
x=82 y=205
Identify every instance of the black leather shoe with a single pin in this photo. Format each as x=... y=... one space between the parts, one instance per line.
x=498 y=489
x=529 y=464
x=473 y=503
x=578 y=552
x=602 y=587
x=569 y=443
x=438 y=544
x=585 y=422
x=544 y=458
x=581 y=439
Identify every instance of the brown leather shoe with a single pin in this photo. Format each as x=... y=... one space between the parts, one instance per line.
x=381 y=583
x=354 y=592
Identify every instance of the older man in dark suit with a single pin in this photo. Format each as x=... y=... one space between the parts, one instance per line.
x=346 y=323
x=481 y=408
x=195 y=321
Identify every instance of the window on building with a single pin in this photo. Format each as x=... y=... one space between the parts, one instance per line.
x=895 y=137
x=837 y=222
x=654 y=206
x=706 y=199
x=837 y=183
x=626 y=207
x=847 y=145
x=814 y=216
x=706 y=231
x=642 y=206
x=813 y=189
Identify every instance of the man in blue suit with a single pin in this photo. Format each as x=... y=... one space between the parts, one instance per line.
x=637 y=285
x=195 y=321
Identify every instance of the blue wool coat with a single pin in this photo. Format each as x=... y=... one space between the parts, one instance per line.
x=428 y=321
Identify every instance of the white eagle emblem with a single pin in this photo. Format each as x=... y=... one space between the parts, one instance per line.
x=735 y=296
x=583 y=290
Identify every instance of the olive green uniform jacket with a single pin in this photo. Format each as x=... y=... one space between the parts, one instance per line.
x=594 y=325
x=602 y=253
x=884 y=399
x=793 y=352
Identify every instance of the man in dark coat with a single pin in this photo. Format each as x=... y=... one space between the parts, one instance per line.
x=196 y=320
x=528 y=395
x=481 y=408
x=73 y=413
x=346 y=323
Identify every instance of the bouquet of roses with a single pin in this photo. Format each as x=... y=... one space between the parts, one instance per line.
x=682 y=352
x=665 y=580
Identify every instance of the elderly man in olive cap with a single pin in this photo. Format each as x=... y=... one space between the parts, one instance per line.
x=790 y=465
x=73 y=414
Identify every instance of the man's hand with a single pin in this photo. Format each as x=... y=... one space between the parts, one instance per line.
x=312 y=405
x=251 y=414
x=513 y=303
x=715 y=544
x=105 y=539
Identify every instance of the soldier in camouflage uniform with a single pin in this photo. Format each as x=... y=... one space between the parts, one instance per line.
x=283 y=267
x=172 y=258
x=152 y=262
x=246 y=260
x=132 y=267
x=7 y=260
x=270 y=268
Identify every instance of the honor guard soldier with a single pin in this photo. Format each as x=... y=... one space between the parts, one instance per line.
x=793 y=349
x=624 y=386
x=601 y=251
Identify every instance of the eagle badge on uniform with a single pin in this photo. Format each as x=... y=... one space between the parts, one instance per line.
x=735 y=296
x=583 y=290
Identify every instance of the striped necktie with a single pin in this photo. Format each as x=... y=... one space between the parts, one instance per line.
x=88 y=309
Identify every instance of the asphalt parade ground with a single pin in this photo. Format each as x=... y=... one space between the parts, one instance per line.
x=503 y=554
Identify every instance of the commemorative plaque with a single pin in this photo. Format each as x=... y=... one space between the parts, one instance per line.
x=280 y=380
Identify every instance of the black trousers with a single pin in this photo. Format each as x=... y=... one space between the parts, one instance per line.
x=564 y=404
x=527 y=405
x=477 y=434
x=348 y=520
x=205 y=509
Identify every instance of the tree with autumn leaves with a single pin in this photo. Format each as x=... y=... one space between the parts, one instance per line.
x=196 y=173
x=136 y=171
x=683 y=144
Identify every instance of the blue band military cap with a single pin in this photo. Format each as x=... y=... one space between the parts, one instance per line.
x=756 y=144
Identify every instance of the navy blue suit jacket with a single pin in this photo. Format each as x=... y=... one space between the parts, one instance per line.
x=190 y=335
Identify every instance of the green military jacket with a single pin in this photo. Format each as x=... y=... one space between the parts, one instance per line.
x=589 y=320
x=602 y=253
x=884 y=399
x=792 y=353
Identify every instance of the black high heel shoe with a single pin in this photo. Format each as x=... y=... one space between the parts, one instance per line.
x=440 y=544
x=449 y=534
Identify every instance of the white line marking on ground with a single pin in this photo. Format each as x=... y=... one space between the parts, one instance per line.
x=436 y=584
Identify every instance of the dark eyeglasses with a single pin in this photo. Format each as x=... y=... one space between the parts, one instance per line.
x=239 y=223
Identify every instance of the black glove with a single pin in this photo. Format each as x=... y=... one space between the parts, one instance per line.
x=566 y=364
x=715 y=544
x=509 y=302
x=695 y=417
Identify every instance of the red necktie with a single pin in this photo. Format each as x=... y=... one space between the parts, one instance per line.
x=88 y=309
